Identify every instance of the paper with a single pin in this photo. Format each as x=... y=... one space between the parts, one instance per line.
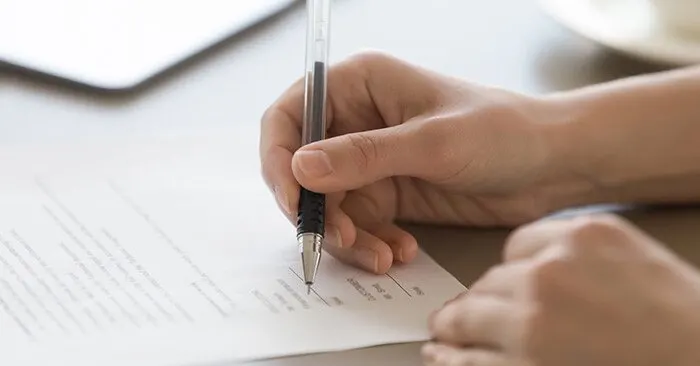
x=175 y=254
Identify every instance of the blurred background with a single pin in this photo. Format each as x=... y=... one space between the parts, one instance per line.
x=77 y=69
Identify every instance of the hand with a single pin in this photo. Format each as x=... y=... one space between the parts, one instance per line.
x=587 y=291
x=406 y=144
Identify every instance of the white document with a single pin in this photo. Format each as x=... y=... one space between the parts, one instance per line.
x=175 y=254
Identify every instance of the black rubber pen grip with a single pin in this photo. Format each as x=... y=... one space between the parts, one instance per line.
x=311 y=216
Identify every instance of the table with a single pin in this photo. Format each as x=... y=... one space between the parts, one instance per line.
x=508 y=43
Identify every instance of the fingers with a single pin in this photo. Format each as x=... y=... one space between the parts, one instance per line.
x=528 y=241
x=503 y=281
x=368 y=252
x=280 y=136
x=277 y=173
x=372 y=208
x=372 y=204
x=353 y=85
x=404 y=246
x=444 y=355
x=375 y=252
x=577 y=233
x=367 y=93
x=340 y=230
x=281 y=124
x=474 y=321
x=354 y=160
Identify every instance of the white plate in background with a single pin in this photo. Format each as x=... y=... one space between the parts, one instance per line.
x=627 y=26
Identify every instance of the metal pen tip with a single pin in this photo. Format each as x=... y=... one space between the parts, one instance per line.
x=310 y=248
x=308 y=288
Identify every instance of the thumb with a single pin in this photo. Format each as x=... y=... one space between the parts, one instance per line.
x=355 y=160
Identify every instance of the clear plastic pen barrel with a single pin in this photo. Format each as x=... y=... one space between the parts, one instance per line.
x=311 y=214
x=317 y=43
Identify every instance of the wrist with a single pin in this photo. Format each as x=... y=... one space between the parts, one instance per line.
x=629 y=141
x=570 y=175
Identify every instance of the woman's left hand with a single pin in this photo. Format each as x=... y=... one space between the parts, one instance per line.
x=583 y=291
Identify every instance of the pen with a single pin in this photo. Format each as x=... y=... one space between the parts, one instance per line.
x=311 y=214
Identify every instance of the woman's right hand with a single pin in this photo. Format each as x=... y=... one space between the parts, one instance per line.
x=406 y=144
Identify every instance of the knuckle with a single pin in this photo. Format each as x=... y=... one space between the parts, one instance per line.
x=605 y=221
x=364 y=151
x=551 y=269
x=367 y=58
x=267 y=122
x=266 y=116
x=367 y=64
x=494 y=112
x=266 y=176
x=550 y=283
x=550 y=275
x=436 y=133
x=283 y=106
x=513 y=242
x=273 y=165
x=518 y=235
x=457 y=315
x=535 y=325
x=596 y=231
x=482 y=284
x=518 y=238
x=434 y=137
x=266 y=166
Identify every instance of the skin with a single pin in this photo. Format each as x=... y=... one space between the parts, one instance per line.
x=406 y=144
x=587 y=291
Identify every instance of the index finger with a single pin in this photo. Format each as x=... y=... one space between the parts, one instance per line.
x=280 y=126
x=531 y=239
x=371 y=90
x=280 y=136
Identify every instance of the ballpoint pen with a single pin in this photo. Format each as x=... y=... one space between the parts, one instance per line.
x=311 y=214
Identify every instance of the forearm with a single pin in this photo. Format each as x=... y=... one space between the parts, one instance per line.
x=635 y=140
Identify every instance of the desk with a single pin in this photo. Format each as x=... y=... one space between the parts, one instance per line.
x=508 y=43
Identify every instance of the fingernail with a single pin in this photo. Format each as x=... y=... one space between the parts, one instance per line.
x=399 y=255
x=314 y=163
x=367 y=258
x=282 y=199
x=333 y=236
